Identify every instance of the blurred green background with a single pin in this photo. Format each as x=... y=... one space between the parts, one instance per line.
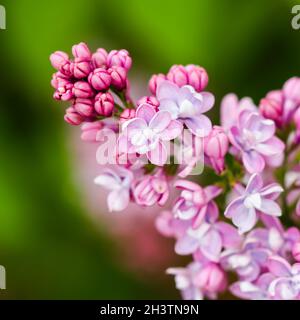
x=48 y=243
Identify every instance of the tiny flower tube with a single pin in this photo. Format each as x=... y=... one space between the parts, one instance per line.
x=81 y=52
x=83 y=89
x=100 y=79
x=104 y=104
x=118 y=77
x=72 y=117
x=99 y=58
x=119 y=58
x=154 y=82
x=127 y=114
x=151 y=100
x=81 y=69
x=90 y=130
x=85 y=107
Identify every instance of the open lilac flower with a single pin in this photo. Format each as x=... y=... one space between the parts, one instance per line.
x=256 y=198
x=286 y=286
x=209 y=239
x=186 y=105
x=146 y=133
x=196 y=203
x=118 y=182
x=254 y=137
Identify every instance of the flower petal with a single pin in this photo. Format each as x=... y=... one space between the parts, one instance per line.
x=173 y=130
x=166 y=90
x=186 y=245
x=279 y=266
x=146 y=112
x=118 y=200
x=255 y=183
x=159 y=155
x=270 y=207
x=253 y=161
x=199 y=125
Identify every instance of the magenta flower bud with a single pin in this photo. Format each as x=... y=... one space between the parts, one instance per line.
x=154 y=81
x=211 y=278
x=83 y=89
x=192 y=75
x=297 y=118
x=59 y=59
x=271 y=107
x=126 y=115
x=64 y=90
x=100 y=79
x=291 y=89
x=90 y=131
x=81 y=69
x=296 y=251
x=118 y=77
x=72 y=117
x=104 y=104
x=81 y=52
x=99 y=58
x=85 y=107
x=152 y=101
x=57 y=79
x=216 y=143
x=119 y=58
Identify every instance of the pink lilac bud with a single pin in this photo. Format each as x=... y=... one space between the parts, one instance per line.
x=118 y=77
x=99 y=58
x=211 y=278
x=83 y=89
x=84 y=107
x=58 y=78
x=59 y=59
x=72 y=117
x=152 y=101
x=104 y=104
x=81 y=52
x=271 y=107
x=291 y=89
x=64 y=91
x=190 y=75
x=126 y=115
x=100 y=79
x=119 y=58
x=296 y=251
x=90 y=131
x=216 y=143
x=297 y=118
x=81 y=69
x=154 y=81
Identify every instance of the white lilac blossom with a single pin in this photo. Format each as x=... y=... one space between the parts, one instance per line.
x=166 y=137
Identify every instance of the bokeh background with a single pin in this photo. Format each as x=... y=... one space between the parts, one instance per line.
x=53 y=242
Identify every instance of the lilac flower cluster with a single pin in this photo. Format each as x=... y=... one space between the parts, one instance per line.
x=246 y=221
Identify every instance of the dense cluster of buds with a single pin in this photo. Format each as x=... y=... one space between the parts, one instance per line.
x=246 y=221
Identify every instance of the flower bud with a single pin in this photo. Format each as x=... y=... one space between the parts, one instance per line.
x=296 y=251
x=119 y=58
x=192 y=75
x=64 y=90
x=83 y=89
x=81 y=69
x=84 y=107
x=291 y=89
x=90 y=131
x=118 y=77
x=58 y=78
x=81 y=52
x=271 y=107
x=104 y=104
x=297 y=118
x=216 y=143
x=154 y=81
x=59 y=59
x=72 y=117
x=211 y=278
x=100 y=79
x=99 y=58
x=126 y=115
x=152 y=101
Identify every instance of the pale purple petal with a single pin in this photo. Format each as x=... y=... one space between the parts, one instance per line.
x=235 y=206
x=173 y=130
x=270 y=147
x=211 y=245
x=146 y=112
x=229 y=108
x=118 y=200
x=166 y=90
x=230 y=236
x=255 y=183
x=186 y=245
x=159 y=155
x=212 y=192
x=272 y=191
x=199 y=125
x=170 y=106
x=270 y=207
x=279 y=266
x=208 y=101
x=160 y=121
x=244 y=219
x=253 y=161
